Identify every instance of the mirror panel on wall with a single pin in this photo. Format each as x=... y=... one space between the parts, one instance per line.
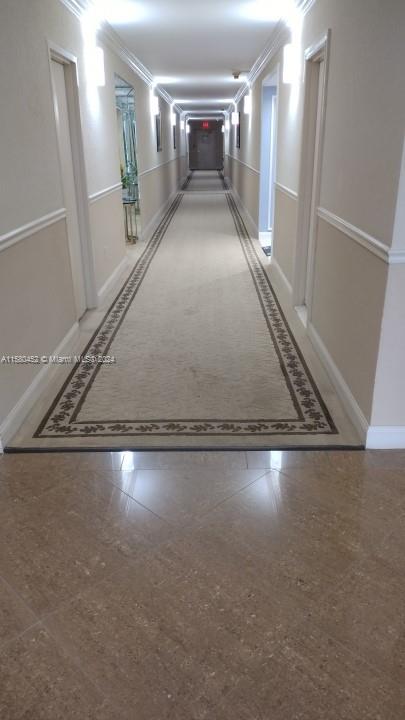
x=126 y=128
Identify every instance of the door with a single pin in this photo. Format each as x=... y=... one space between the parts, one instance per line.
x=68 y=185
x=206 y=147
x=268 y=152
x=316 y=170
x=272 y=167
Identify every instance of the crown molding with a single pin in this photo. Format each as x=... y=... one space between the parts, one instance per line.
x=280 y=35
x=305 y=5
x=114 y=42
x=77 y=7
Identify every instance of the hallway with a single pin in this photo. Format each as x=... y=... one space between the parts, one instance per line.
x=202 y=355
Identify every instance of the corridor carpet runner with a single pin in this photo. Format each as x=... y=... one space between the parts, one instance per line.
x=204 y=357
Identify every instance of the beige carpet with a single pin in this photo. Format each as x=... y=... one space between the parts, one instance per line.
x=205 y=181
x=203 y=355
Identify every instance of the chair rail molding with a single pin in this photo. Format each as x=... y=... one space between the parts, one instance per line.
x=156 y=167
x=286 y=190
x=253 y=169
x=30 y=228
x=105 y=191
x=391 y=256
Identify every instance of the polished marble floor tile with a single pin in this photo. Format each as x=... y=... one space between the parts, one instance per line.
x=189 y=586
x=21 y=482
x=46 y=559
x=283 y=459
x=37 y=680
x=15 y=616
x=183 y=494
x=111 y=515
x=366 y=614
x=312 y=677
x=149 y=460
x=46 y=462
x=262 y=532
x=164 y=627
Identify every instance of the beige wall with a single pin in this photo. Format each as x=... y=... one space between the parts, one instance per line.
x=37 y=267
x=245 y=181
x=285 y=231
x=389 y=395
x=348 y=296
x=107 y=232
x=37 y=307
x=364 y=132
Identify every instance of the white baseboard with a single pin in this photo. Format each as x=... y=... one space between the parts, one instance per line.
x=109 y=283
x=151 y=226
x=347 y=398
x=284 y=280
x=250 y=223
x=17 y=415
x=385 y=437
x=265 y=237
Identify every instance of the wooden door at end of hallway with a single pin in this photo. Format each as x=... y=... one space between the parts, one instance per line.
x=68 y=184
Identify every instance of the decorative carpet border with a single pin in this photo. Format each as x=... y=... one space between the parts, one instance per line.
x=312 y=416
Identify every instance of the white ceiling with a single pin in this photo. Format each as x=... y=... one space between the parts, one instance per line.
x=190 y=47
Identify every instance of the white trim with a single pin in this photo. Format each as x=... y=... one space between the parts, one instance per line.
x=105 y=289
x=281 y=274
x=60 y=54
x=30 y=228
x=150 y=227
x=278 y=38
x=106 y=191
x=302 y=312
x=345 y=394
x=233 y=157
x=155 y=167
x=396 y=257
x=74 y=6
x=17 y=415
x=252 y=227
x=310 y=173
x=107 y=34
x=305 y=5
x=287 y=191
x=265 y=237
x=377 y=247
x=386 y=437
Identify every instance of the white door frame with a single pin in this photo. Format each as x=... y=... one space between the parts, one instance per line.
x=271 y=80
x=310 y=177
x=273 y=161
x=55 y=52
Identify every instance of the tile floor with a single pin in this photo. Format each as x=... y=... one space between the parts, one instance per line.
x=222 y=585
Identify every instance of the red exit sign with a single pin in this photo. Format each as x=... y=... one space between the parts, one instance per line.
x=206 y=125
